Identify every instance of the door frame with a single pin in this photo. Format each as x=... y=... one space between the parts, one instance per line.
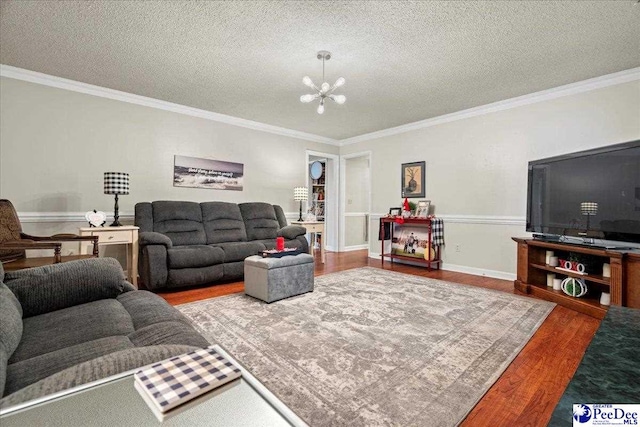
x=343 y=201
x=331 y=224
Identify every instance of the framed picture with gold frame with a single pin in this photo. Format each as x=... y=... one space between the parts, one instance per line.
x=412 y=179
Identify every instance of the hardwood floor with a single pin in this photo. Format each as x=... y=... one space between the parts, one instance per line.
x=528 y=391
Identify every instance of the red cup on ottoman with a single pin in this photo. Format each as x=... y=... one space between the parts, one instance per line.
x=280 y=243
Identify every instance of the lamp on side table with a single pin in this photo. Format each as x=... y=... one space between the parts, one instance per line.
x=300 y=194
x=116 y=183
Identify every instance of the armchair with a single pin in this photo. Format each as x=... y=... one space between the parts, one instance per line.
x=14 y=243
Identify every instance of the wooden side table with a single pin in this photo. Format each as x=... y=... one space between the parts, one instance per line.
x=315 y=228
x=125 y=235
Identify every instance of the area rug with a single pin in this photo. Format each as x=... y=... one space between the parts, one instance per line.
x=370 y=347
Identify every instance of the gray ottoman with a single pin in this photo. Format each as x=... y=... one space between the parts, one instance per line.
x=272 y=279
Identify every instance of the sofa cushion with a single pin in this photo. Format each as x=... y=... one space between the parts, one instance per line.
x=292 y=231
x=179 y=277
x=223 y=222
x=143 y=216
x=280 y=216
x=260 y=220
x=57 y=286
x=71 y=326
x=180 y=221
x=171 y=332
x=10 y=329
x=10 y=320
x=194 y=256
x=95 y=369
x=146 y=308
x=238 y=251
x=29 y=371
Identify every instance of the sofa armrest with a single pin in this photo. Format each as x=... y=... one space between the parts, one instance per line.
x=54 y=287
x=153 y=238
x=290 y=232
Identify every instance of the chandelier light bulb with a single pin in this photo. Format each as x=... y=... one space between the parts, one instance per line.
x=321 y=107
x=306 y=80
x=325 y=87
x=307 y=98
x=339 y=82
x=339 y=99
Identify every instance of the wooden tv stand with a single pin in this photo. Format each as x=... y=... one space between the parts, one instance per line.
x=623 y=285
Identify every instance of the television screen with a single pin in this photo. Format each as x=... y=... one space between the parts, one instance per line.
x=594 y=193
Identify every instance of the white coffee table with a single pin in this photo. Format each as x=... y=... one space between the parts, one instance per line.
x=115 y=402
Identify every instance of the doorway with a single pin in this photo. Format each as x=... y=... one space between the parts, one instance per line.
x=355 y=203
x=331 y=163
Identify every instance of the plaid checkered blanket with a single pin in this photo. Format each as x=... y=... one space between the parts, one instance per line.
x=437 y=231
x=174 y=381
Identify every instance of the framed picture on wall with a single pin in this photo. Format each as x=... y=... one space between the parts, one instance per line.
x=422 y=210
x=413 y=179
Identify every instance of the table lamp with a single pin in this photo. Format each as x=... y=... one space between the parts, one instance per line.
x=588 y=209
x=300 y=194
x=116 y=183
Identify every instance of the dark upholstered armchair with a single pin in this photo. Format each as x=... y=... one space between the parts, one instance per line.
x=14 y=243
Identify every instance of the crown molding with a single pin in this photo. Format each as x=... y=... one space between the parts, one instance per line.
x=103 y=92
x=607 y=80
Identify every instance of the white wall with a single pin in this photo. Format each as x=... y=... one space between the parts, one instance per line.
x=356 y=175
x=55 y=145
x=477 y=167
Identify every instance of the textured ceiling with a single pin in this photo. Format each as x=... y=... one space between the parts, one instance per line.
x=403 y=61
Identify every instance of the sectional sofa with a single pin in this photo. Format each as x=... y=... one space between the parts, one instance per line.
x=189 y=243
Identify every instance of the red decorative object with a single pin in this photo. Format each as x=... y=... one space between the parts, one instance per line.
x=280 y=243
x=406 y=204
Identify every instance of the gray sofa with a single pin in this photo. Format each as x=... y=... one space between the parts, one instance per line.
x=68 y=324
x=189 y=243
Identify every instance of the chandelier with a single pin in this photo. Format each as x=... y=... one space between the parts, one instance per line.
x=325 y=91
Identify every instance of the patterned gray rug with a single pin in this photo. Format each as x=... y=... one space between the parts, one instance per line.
x=371 y=347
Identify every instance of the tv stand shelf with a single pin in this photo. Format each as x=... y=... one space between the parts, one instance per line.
x=623 y=285
x=588 y=277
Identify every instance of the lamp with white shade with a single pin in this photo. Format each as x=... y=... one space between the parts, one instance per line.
x=300 y=194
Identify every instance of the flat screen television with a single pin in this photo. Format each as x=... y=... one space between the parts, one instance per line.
x=593 y=194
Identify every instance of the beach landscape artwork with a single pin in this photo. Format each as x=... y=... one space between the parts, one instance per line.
x=206 y=173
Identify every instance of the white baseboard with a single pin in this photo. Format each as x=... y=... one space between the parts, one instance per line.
x=463 y=269
x=479 y=271
x=355 y=248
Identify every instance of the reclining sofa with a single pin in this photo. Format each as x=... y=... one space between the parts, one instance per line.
x=189 y=243
x=68 y=324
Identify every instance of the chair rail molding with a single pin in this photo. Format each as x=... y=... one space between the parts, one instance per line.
x=473 y=219
x=42 y=217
